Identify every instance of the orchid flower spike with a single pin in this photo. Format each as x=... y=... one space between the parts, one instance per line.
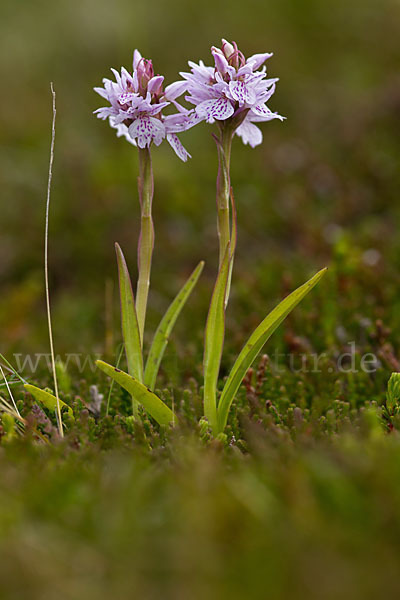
x=233 y=90
x=137 y=101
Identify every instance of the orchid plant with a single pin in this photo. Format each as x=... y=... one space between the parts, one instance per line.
x=137 y=102
x=231 y=94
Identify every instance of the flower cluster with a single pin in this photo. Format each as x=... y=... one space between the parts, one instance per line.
x=136 y=107
x=232 y=89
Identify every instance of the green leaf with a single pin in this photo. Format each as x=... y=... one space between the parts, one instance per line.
x=130 y=329
x=214 y=341
x=255 y=343
x=47 y=399
x=165 y=327
x=151 y=403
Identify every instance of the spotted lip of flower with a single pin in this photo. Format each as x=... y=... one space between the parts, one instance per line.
x=233 y=88
x=136 y=104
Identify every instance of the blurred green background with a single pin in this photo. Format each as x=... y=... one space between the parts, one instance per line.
x=323 y=183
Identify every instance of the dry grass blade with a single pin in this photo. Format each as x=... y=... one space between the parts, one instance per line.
x=46 y=260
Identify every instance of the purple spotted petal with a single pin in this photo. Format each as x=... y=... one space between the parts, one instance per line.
x=146 y=130
x=193 y=119
x=179 y=122
x=126 y=97
x=218 y=109
x=249 y=133
x=268 y=117
x=260 y=110
x=156 y=108
x=242 y=92
x=176 y=144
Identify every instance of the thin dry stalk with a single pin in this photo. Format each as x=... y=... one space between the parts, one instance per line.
x=46 y=261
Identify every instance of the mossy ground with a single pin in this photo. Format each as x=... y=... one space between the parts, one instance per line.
x=301 y=503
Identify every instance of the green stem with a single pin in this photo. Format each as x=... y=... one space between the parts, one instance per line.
x=224 y=199
x=224 y=190
x=146 y=239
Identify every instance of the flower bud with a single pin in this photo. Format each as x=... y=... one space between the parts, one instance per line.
x=145 y=72
x=227 y=48
x=233 y=55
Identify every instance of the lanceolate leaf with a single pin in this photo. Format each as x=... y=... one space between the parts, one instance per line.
x=214 y=341
x=130 y=329
x=165 y=327
x=47 y=399
x=151 y=403
x=255 y=343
